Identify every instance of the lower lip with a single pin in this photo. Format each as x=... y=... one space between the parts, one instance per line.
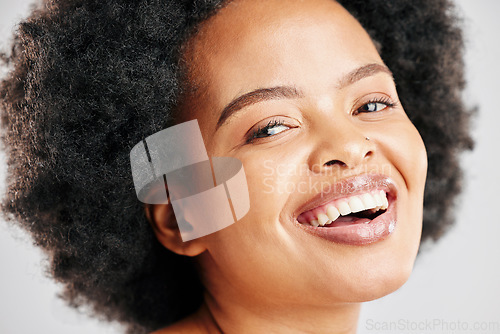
x=358 y=234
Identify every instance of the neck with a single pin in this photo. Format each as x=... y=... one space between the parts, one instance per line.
x=235 y=315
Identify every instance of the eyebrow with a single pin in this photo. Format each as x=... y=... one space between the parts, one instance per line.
x=258 y=95
x=290 y=92
x=363 y=72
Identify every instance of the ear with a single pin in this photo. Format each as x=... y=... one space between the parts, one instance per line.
x=162 y=219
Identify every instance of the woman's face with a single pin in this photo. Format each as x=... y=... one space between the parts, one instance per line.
x=304 y=148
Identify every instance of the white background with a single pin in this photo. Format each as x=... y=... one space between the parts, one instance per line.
x=455 y=282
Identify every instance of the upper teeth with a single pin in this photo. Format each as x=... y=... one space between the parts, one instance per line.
x=376 y=200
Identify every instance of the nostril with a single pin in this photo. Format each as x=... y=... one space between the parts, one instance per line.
x=335 y=162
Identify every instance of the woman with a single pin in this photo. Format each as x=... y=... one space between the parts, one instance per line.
x=301 y=92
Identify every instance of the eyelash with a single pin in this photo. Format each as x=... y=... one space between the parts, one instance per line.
x=261 y=130
x=254 y=134
x=384 y=100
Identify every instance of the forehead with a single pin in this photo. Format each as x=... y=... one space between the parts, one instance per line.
x=256 y=43
x=243 y=18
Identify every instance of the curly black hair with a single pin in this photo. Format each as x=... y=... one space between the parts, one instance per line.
x=89 y=79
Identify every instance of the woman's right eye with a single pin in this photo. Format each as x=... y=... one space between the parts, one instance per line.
x=272 y=128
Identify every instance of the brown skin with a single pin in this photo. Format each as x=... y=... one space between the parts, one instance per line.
x=263 y=274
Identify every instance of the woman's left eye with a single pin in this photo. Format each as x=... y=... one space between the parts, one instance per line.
x=374 y=106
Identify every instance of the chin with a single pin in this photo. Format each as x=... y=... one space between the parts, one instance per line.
x=384 y=285
x=377 y=279
x=377 y=270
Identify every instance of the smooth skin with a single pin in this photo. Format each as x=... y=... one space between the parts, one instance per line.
x=263 y=274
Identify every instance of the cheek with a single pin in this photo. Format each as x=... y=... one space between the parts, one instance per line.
x=403 y=147
x=269 y=186
x=258 y=242
x=272 y=179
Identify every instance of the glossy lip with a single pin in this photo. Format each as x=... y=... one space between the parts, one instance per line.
x=355 y=234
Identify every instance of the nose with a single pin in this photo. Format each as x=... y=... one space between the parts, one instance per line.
x=340 y=143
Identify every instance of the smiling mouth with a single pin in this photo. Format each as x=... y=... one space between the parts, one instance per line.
x=359 y=209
